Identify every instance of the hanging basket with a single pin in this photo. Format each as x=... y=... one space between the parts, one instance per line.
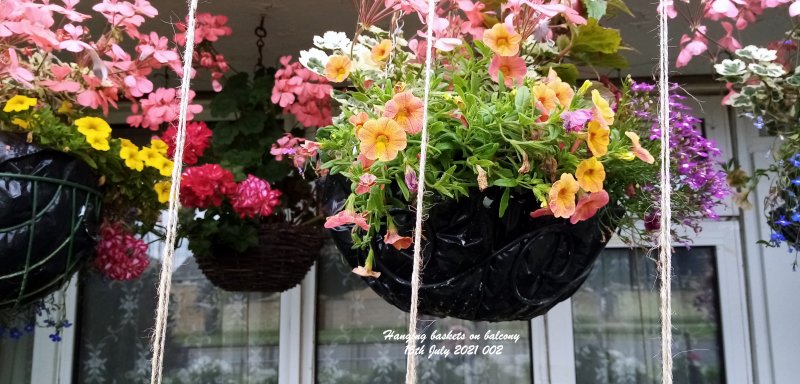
x=283 y=258
x=478 y=266
x=49 y=212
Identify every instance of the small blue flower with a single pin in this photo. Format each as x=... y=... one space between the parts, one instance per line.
x=759 y=123
x=14 y=333
x=795 y=160
x=782 y=221
x=777 y=237
x=66 y=324
x=796 y=181
x=796 y=217
x=55 y=337
x=30 y=327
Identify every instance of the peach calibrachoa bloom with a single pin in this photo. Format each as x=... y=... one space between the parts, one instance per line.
x=564 y=92
x=546 y=96
x=338 y=68
x=602 y=111
x=562 y=196
x=365 y=183
x=588 y=206
x=591 y=175
x=394 y=239
x=380 y=52
x=407 y=110
x=382 y=139
x=598 y=138
x=642 y=153
x=512 y=67
x=348 y=216
x=502 y=40
x=358 y=121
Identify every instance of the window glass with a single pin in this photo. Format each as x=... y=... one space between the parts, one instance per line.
x=353 y=322
x=616 y=320
x=213 y=336
x=16 y=357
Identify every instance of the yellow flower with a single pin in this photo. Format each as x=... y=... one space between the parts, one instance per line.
x=163 y=189
x=133 y=160
x=642 y=153
x=94 y=126
x=65 y=107
x=19 y=103
x=381 y=51
x=598 y=139
x=164 y=166
x=546 y=96
x=628 y=156
x=602 y=111
x=159 y=145
x=338 y=68
x=502 y=40
x=98 y=141
x=20 y=123
x=382 y=139
x=127 y=149
x=591 y=175
x=151 y=157
x=562 y=196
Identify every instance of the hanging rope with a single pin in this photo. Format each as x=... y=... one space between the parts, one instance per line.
x=665 y=235
x=411 y=360
x=165 y=279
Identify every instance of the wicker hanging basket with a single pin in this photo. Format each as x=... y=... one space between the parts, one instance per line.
x=478 y=266
x=280 y=262
x=49 y=213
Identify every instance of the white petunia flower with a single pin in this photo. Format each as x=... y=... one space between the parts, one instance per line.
x=332 y=40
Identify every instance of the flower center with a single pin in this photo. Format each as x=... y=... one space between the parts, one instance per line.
x=506 y=70
x=382 y=139
x=502 y=42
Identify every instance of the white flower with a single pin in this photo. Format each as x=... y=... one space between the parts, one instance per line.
x=363 y=59
x=314 y=59
x=332 y=40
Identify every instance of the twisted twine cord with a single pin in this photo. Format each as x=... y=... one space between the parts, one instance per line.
x=411 y=360
x=165 y=279
x=665 y=234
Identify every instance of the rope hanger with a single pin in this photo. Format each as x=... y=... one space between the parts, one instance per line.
x=665 y=254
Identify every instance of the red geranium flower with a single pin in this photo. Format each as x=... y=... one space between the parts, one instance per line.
x=197 y=138
x=206 y=185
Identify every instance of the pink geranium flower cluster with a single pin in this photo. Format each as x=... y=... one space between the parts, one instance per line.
x=208 y=185
x=198 y=137
x=298 y=149
x=732 y=15
x=208 y=29
x=303 y=94
x=120 y=255
x=51 y=46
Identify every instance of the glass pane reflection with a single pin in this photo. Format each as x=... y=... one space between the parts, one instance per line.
x=616 y=320
x=351 y=347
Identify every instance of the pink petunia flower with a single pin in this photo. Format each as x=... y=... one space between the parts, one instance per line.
x=513 y=69
x=365 y=183
x=588 y=206
x=407 y=110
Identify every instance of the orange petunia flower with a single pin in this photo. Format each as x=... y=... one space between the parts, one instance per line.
x=382 y=139
x=338 y=68
x=598 y=139
x=546 y=96
x=381 y=51
x=602 y=111
x=562 y=196
x=407 y=110
x=502 y=40
x=564 y=92
x=591 y=175
x=358 y=121
x=642 y=153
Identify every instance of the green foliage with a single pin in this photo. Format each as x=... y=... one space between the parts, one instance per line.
x=595 y=9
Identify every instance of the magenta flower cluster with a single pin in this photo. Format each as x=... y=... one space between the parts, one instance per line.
x=693 y=156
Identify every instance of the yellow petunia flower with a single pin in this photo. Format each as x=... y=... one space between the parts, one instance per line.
x=151 y=157
x=338 y=68
x=381 y=51
x=98 y=141
x=382 y=139
x=127 y=149
x=65 y=107
x=598 y=138
x=602 y=111
x=502 y=40
x=19 y=103
x=164 y=166
x=93 y=126
x=159 y=145
x=591 y=175
x=20 y=123
x=562 y=196
x=163 y=191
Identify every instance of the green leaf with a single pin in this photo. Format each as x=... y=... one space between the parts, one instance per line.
x=508 y=183
x=504 y=201
x=592 y=38
x=523 y=99
x=402 y=184
x=621 y=6
x=613 y=60
x=595 y=9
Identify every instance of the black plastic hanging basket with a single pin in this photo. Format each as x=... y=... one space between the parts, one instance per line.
x=49 y=211
x=478 y=266
x=283 y=258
